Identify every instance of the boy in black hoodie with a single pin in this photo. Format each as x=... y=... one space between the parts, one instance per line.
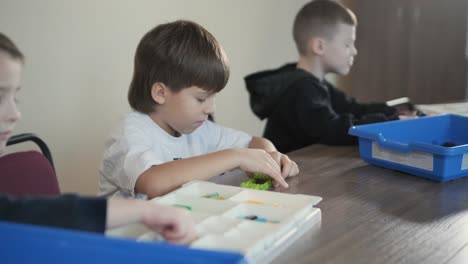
x=301 y=106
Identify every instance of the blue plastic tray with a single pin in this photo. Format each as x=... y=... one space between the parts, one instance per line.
x=416 y=146
x=32 y=244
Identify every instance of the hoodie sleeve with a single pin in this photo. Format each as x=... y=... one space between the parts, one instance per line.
x=318 y=117
x=66 y=211
x=363 y=112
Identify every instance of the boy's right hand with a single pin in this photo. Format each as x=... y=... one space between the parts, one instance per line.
x=175 y=225
x=258 y=160
x=404 y=117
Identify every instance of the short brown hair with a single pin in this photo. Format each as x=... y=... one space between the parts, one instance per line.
x=7 y=46
x=319 y=17
x=179 y=55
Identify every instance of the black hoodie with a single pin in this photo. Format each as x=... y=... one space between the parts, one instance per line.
x=302 y=110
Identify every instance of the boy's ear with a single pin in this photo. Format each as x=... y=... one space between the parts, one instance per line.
x=317 y=46
x=159 y=92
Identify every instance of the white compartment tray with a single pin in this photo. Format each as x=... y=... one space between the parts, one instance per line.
x=259 y=224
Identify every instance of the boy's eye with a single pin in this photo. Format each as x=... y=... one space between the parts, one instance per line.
x=2 y=97
x=201 y=100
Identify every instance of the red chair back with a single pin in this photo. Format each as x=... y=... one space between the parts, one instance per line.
x=27 y=173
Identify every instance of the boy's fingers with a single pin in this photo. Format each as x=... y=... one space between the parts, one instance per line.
x=288 y=166
x=294 y=170
x=279 y=179
x=180 y=230
x=282 y=182
x=286 y=169
x=271 y=163
x=181 y=235
x=276 y=174
x=277 y=158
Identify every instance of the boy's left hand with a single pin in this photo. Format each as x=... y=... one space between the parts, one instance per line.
x=288 y=167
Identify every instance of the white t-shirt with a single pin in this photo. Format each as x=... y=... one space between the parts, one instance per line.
x=139 y=143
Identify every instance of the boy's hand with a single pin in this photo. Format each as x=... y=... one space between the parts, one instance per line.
x=404 y=117
x=258 y=160
x=289 y=168
x=175 y=225
x=409 y=114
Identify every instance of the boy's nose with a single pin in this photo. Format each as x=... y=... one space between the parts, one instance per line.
x=12 y=113
x=210 y=109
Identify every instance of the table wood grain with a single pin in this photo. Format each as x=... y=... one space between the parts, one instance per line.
x=376 y=215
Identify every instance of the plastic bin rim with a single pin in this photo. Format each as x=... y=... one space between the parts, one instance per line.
x=382 y=141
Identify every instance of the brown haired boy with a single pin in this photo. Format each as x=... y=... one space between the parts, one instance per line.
x=168 y=141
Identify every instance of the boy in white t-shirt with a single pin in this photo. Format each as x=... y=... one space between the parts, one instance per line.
x=168 y=140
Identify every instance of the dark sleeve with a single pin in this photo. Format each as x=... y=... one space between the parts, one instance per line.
x=363 y=113
x=66 y=211
x=317 y=116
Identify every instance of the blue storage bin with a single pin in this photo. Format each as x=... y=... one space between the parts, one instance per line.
x=434 y=147
x=20 y=243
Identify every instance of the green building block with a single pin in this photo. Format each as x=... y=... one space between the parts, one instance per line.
x=258 y=181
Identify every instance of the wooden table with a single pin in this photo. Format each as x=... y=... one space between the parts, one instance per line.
x=459 y=108
x=375 y=215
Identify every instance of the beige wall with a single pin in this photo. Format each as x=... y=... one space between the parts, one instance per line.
x=79 y=64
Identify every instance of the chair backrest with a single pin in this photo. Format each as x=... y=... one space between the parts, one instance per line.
x=28 y=172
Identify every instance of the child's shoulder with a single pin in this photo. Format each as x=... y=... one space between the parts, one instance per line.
x=309 y=85
x=136 y=118
x=134 y=122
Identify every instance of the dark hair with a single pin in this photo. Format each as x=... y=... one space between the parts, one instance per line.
x=179 y=55
x=6 y=45
x=319 y=17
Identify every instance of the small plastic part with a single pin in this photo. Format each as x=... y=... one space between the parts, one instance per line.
x=251 y=217
x=183 y=206
x=254 y=202
x=214 y=196
x=258 y=219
